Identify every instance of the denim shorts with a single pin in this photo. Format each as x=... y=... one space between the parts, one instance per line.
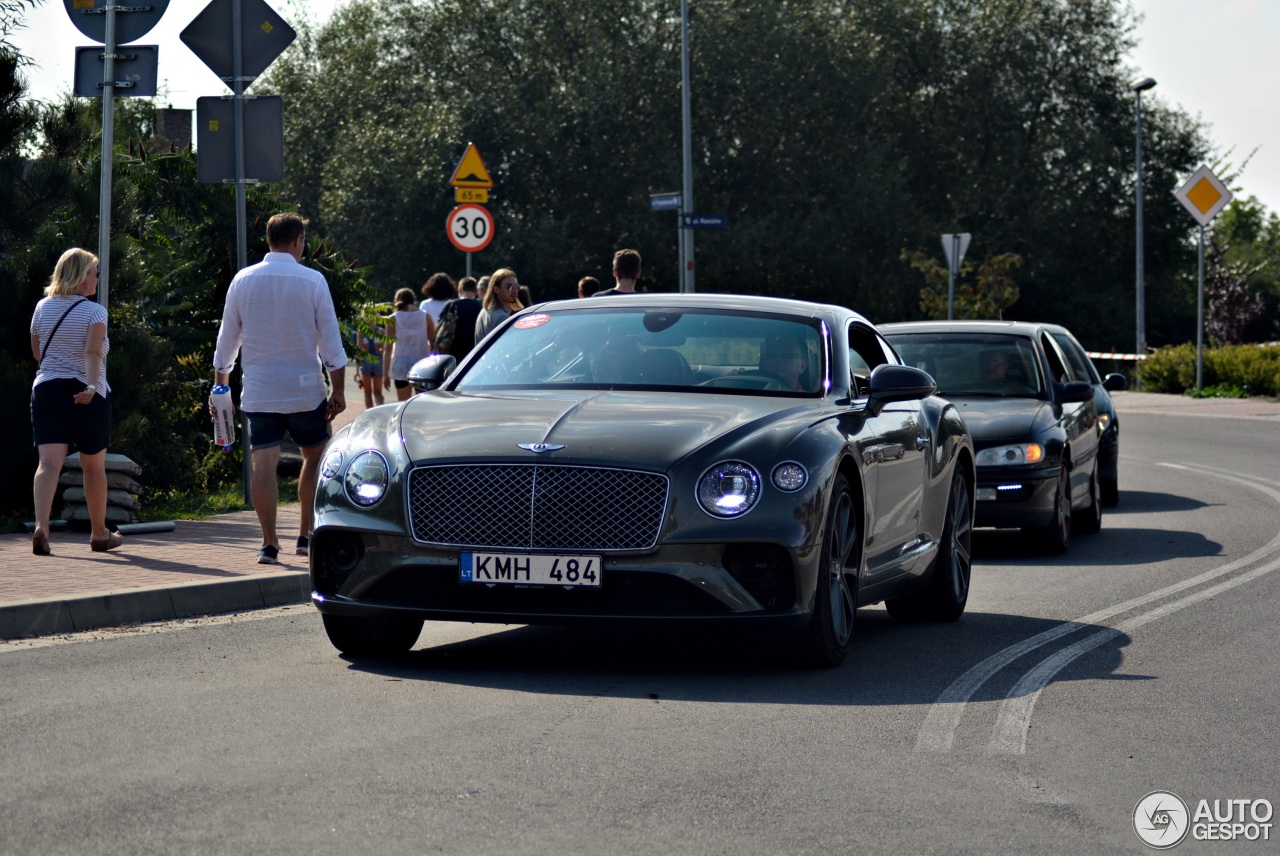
x=57 y=419
x=308 y=428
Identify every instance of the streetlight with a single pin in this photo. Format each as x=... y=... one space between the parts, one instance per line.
x=1138 y=87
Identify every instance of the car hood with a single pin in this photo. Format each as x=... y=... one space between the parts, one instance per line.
x=993 y=418
x=632 y=428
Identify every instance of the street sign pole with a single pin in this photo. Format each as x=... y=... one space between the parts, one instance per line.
x=1204 y=196
x=242 y=201
x=108 y=157
x=1200 y=317
x=954 y=246
x=687 y=280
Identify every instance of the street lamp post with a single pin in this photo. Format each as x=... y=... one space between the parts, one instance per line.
x=1138 y=88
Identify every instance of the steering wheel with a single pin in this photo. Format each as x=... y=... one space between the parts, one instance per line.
x=755 y=379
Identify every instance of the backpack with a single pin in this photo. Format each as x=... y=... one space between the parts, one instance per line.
x=447 y=327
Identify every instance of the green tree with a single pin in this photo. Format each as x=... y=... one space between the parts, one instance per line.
x=981 y=295
x=833 y=135
x=1252 y=237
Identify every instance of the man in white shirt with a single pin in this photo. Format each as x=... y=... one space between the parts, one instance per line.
x=279 y=319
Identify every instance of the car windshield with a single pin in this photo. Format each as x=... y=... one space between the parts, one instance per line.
x=702 y=350
x=974 y=363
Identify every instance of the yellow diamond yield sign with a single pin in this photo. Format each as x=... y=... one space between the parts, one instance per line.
x=1203 y=195
x=471 y=170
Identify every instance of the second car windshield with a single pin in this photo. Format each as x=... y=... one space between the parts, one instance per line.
x=974 y=364
x=610 y=348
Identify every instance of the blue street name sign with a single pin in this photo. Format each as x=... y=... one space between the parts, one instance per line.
x=706 y=221
x=664 y=201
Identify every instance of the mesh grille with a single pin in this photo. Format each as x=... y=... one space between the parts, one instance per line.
x=533 y=506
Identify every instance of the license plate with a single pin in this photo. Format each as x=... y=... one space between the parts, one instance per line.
x=529 y=569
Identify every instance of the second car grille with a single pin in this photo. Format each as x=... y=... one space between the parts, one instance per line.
x=536 y=506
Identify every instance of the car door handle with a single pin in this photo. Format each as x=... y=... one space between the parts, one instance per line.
x=922 y=443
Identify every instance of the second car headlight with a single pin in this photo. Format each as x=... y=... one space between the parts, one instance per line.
x=367 y=479
x=1020 y=453
x=729 y=489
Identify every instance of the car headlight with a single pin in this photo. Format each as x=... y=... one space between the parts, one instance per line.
x=367 y=479
x=1104 y=421
x=332 y=464
x=729 y=489
x=789 y=477
x=1002 y=456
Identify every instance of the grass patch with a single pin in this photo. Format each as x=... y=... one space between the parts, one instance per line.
x=177 y=505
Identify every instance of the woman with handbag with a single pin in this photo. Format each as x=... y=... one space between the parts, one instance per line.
x=70 y=399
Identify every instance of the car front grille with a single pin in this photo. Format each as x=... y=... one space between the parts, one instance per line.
x=536 y=506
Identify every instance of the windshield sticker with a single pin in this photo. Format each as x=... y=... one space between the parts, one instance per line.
x=530 y=321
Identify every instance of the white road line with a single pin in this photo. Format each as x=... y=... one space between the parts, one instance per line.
x=1009 y=736
x=937 y=733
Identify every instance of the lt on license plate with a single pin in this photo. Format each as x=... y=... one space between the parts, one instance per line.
x=529 y=569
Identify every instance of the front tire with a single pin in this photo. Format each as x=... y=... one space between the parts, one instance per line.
x=829 y=636
x=1089 y=520
x=946 y=593
x=1054 y=536
x=379 y=636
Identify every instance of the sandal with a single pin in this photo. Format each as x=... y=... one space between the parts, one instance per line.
x=40 y=544
x=115 y=539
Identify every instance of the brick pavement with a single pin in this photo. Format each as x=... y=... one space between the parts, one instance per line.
x=210 y=566
x=201 y=567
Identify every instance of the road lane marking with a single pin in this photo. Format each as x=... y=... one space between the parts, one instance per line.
x=937 y=733
x=1009 y=736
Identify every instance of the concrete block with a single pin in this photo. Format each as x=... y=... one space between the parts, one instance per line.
x=35 y=618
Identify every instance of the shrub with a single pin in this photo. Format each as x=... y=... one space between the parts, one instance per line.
x=1252 y=369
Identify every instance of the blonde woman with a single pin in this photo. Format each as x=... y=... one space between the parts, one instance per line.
x=412 y=331
x=501 y=299
x=70 y=398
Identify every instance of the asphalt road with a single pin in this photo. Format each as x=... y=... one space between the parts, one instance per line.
x=1144 y=659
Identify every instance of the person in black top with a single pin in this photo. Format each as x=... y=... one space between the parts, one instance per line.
x=626 y=272
x=465 y=309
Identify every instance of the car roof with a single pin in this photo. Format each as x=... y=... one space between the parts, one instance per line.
x=739 y=302
x=1014 y=328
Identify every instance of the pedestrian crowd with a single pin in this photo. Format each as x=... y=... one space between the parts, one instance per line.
x=280 y=326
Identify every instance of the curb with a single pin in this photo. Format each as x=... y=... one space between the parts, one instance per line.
x=158 y=603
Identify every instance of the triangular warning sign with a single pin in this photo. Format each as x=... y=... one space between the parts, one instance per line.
x=471 y=171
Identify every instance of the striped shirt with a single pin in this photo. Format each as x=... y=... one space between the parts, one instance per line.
x=64 y=356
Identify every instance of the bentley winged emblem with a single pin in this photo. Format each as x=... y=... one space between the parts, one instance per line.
x=539 y=448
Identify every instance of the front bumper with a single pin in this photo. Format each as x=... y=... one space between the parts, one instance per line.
x=1012 y=498
x=363 y=573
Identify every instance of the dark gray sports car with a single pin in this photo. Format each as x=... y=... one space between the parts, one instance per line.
x=665 y=457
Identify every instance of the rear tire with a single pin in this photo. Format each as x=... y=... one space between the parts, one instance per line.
x=380 y=636
x=946 y=593
x=829 y=636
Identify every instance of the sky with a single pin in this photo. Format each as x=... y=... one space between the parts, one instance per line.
x=1215 y=59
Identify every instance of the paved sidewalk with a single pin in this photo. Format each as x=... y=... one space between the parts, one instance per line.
x=210 y=566
x=201 y=567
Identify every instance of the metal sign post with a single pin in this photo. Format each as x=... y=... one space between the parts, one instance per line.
x=97 y=20
x=955 y=247
x=1204 y=196
x=249 y=55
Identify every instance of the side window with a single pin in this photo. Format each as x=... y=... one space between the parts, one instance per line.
x=1059 y=371
x=1079 y=359
x=866 y=351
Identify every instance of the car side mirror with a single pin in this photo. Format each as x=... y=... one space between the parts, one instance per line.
x=1076 y=390
x=1115 y=382
x=889 y=383
x=430 y=373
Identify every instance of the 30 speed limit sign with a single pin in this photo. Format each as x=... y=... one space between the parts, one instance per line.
x=470 y=227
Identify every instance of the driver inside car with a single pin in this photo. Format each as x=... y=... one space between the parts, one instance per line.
x=786 y=358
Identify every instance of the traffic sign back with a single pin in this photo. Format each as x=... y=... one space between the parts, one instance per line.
x=132 y=21
x=264 y=36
